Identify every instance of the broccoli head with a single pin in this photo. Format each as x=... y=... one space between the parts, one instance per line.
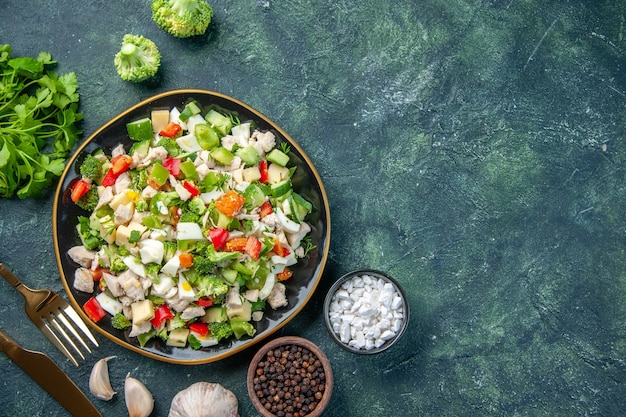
x=211 y=285
x=92 y=168
x=182 y=18
x=120 y=321
x=138 y=59
x=221 y=330
x=89 y=201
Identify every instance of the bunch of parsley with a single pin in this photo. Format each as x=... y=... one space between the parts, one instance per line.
x=38 y=123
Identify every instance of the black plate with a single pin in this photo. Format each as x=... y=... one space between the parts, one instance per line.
x=306 y=181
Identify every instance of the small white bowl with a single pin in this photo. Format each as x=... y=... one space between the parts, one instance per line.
x=398 y=315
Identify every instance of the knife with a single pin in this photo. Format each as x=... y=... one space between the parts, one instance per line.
x=51 y=378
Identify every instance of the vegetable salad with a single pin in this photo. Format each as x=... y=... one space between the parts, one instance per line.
x=191 y=232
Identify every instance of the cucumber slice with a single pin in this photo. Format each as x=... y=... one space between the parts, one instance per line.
x=219 y=122
x=254 y=195
x=300 y=208
x=190 y=109
x=215 y=314
x=140 y=130
x=281 y=188
x=278 y=157
x=222 y=156
x=248 y=155
x=229 y=275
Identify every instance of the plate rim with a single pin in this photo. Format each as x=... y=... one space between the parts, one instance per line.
x=255 y=340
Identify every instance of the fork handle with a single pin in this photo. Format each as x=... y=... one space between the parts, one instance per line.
x=12 y=279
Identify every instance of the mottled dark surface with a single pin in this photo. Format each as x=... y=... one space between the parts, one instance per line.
x=474 y=150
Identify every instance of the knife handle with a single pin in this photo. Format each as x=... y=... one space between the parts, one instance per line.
x=8 y=345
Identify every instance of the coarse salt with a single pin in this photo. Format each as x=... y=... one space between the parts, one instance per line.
x=366 y=311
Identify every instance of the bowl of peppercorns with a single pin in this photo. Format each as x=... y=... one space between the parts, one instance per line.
x=290 y=377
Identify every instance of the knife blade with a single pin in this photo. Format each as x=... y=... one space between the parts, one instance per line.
x=50 y=377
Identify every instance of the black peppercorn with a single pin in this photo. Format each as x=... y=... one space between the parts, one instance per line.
x=289 y=381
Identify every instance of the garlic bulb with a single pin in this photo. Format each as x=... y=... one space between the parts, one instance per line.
x=139 y=401
x=204 y=399
x=99 y=383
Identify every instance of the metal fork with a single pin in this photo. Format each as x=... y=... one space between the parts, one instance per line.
x=54 y=316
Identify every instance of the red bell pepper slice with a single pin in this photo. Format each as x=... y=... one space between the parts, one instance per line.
x=171 y=130
x=79 y=189
x=96 y=274
x=218 y=237
x=279 y=249
x=109 y=179
x=120 y=164
x=94 y=310
x=253 y=247
x=201 y=329
x=205 y=302
x=191 y=188
x=172 y=165
x=161 y=314
x=285 y=274
x=263 y=170
x=265 y=209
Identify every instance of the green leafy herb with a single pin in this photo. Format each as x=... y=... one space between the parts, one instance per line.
x=38 y=123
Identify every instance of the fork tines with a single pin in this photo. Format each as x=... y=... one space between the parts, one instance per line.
x=64 y=327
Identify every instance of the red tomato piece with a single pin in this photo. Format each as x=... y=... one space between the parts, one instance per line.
x=79 y=189
x=218 y=237
x=161 y=314
x=94 y=310
x=191 y=188
x=172 y=165
x=279 y=249
x=205 y=302
x=265 y=209
x=284 y=274
x=201 y=329
x=253 y=247
x=171 y=130
x=263 y=170
x=121 y=163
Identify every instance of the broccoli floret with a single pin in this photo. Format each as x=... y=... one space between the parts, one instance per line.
x=152 y=271
x=220 y=330
x=138 y=59
x=210 y=285
x=169 y=250
x=177 y=322
x=92 y=168
x=90 y=200
x=182 y=18
x=202 y=265
x=170 y=145
x=189 y=216
x=138 y=179
x=120 y=321
x=196 y=205
x=117 y=264
x=141 y=205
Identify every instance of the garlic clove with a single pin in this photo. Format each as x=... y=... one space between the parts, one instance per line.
x=139 y=401
x=99 y=383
